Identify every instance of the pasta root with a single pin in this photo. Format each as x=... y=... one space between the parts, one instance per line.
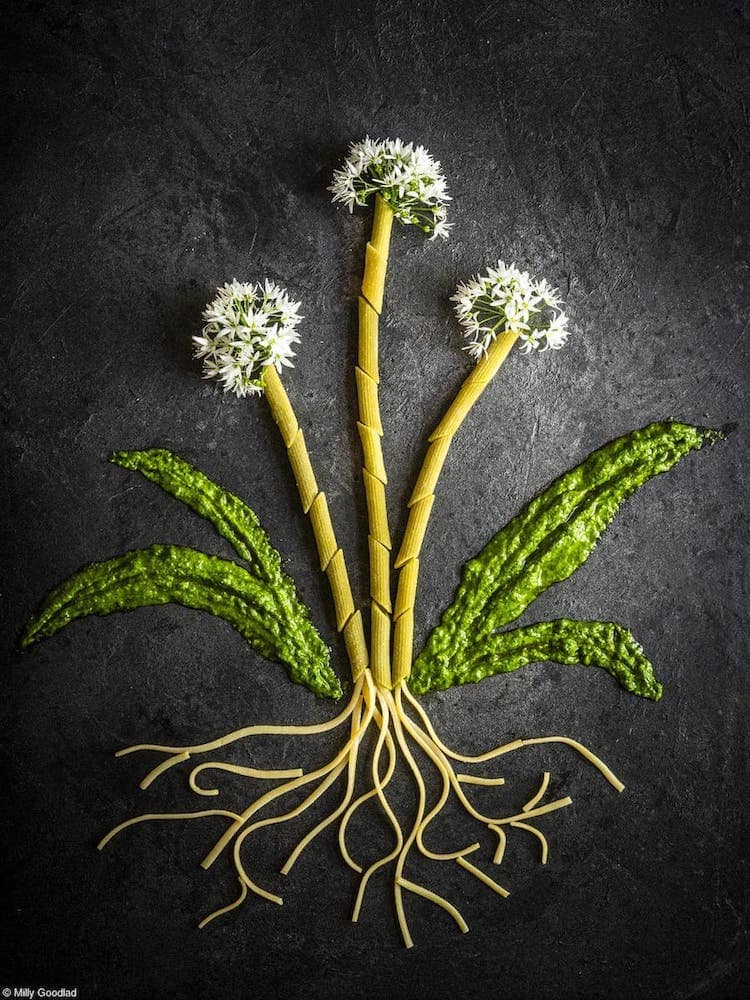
x=386 y=726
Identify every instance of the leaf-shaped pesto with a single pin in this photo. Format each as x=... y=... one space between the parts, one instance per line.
x=164 y=574
x=231 y=517
x=592 y=644
x=551 y=537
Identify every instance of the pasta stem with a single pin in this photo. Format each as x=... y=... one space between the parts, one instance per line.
x=315 y=505
x=371 y=431
x=423 y=496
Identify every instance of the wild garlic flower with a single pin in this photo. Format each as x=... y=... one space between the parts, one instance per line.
x=404 y=175
x=248 y=326
x=505 y=298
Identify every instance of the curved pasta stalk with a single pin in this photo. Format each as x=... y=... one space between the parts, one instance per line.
x=315 y=505
x=423 y=496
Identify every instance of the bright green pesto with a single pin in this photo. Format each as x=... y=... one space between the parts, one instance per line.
x=259 y=601
x=544 y=544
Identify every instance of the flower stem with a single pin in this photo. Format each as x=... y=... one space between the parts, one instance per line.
x=423 y=496
x=315 y=505
x=371 y=432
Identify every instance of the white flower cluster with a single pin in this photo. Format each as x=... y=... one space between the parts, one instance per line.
x=506 y=298
x=404 y=175
x=248 y=326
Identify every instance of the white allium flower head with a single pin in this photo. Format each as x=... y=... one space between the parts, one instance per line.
x=405 y=176
x=506 y=298
x=248 y=326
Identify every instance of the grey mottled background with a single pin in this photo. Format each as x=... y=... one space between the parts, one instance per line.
x=157 y=149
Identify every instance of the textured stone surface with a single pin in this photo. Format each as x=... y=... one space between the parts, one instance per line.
x=157 y=149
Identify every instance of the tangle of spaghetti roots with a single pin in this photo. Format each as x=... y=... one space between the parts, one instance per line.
x=401 y=725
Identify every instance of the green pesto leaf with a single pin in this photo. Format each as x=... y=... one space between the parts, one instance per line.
x=592 y=644
x=164 y=574
x=231 y=517
x=551 y=537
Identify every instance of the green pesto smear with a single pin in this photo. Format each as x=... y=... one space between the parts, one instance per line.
x=258 y=600
x=544 y=544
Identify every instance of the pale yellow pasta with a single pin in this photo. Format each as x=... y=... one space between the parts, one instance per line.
x=342 y=593
x=368 y=339
x=325 y=537
x=382 y=223
x=403 y=637
x=477 y=779
x=419 y=890
x=376 y=509
x=539 y=811
x=538 y=834
x=584 y=752
x=302 y=469
x=281 y=408
x=247 y=772
x=367 y=393
x=380 y=660
x=373 y=281
x=359 y=727
x=356 y=645
x=407 y=588
x=502 y=842
x=226 y=909
x=416 y=527
x=540 y=794
x=373 y=451
x=149 y=817
x=431 y=469
x=380 y=573
x=474 y=385
x=314 y=504
x=422 y=497
x=478 y=873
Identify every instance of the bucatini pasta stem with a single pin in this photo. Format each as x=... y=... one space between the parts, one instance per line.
x=423 y=496
x=371 y=431
x=315 y=505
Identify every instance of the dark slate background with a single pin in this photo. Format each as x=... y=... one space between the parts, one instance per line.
x=157 y=149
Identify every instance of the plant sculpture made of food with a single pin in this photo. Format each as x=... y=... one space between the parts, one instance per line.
x=248 y=337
